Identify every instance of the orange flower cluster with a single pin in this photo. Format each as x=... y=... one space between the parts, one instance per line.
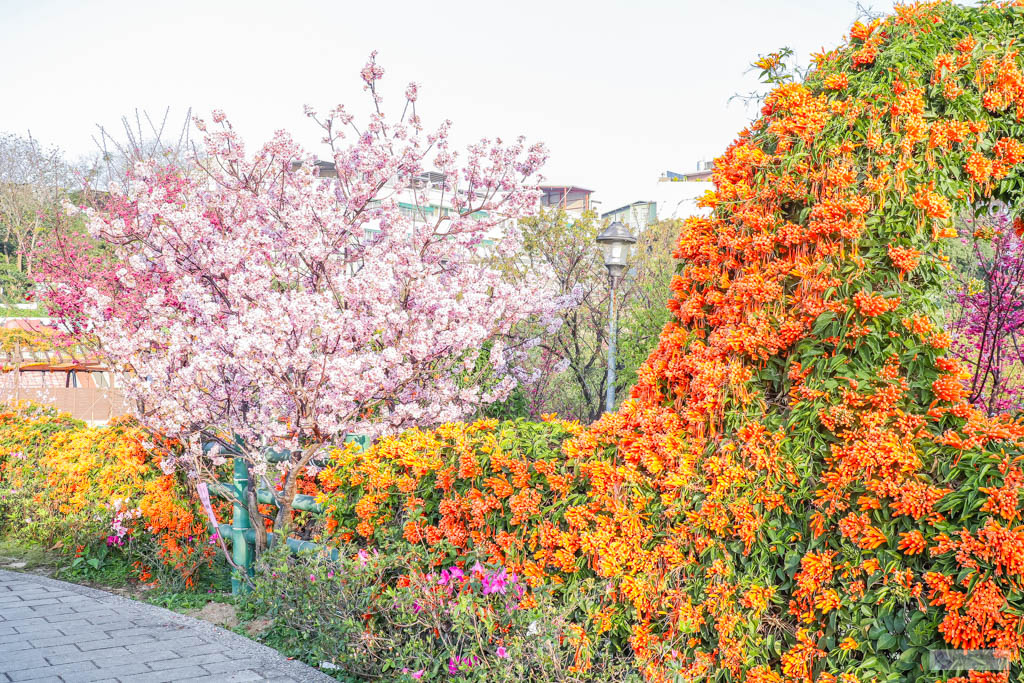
x=837 y=81
x=932 y=203
x=872 y=305
x=904 y=259
x=77 y=481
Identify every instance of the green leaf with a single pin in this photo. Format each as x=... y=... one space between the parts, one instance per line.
x=887 y=641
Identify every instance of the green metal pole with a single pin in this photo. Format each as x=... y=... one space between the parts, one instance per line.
x=609 y=390
x=241 y=550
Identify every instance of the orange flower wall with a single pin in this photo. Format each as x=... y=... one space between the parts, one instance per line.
x=70 y=486
x=797 y=490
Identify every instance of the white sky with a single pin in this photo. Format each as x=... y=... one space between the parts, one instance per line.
x=619 y=91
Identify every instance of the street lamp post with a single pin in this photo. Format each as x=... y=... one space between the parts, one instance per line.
x=615 y=240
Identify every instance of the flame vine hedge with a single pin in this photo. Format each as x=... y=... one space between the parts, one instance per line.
x=90 y=490
x=798 y=489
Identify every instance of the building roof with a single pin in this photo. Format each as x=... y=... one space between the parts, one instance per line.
x=36 y=350
x=700 y=174
x=570 y=188
x=625 y=206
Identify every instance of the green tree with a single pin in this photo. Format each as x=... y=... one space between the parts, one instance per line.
x=570 y=364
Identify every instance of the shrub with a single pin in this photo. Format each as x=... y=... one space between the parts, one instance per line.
x=94 y=490
x=799 y=489
x=381 y=614
x=461 y=488
x=500 y=493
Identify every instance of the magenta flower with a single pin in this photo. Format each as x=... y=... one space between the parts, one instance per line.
x=502 y=653
x=494 y=583
x=456 y=663
x=450 y=574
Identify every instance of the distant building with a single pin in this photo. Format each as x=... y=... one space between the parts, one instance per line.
x=676 y=194
x=702 y=174
x=569 y=198
x=73 y=380
x=635 y=216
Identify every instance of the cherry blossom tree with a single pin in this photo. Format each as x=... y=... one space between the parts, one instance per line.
x=69 y=262
x=267 y=303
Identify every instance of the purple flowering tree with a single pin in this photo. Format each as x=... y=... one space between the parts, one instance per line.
x=987 y=328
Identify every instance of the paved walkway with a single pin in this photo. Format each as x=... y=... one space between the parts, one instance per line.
x=56 y=631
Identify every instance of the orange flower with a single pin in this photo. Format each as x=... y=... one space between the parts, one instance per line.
x=904 y=259
x=933 y=204
x=912 y=542
x=949 y=388
x=873 y=305
x=836 y=81
x=861 y=31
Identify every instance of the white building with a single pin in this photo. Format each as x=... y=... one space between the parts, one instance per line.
x=676 y=194
x=635 y=216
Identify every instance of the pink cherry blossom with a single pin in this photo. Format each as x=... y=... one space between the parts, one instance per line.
x=261 y=300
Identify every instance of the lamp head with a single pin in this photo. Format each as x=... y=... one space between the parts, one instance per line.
x=615 y=241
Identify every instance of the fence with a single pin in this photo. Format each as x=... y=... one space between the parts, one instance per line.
x=240 y=532
x=91 y=404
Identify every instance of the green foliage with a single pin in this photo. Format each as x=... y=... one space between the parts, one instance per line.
x=388 y=614
x=565 y=246
x=98 y=563
x=645 y=312
x=187 y=601
x=14 y=284
x=515 y=407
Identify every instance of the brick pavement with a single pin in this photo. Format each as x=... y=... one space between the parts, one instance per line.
x=54 y=631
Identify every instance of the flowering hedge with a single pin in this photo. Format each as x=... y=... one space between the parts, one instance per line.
x=490 y=492
x=81 y=488
x=378 y=615
x=798 y=489
x=483 y=487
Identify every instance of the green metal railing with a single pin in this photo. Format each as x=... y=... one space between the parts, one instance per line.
x=240 y=532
